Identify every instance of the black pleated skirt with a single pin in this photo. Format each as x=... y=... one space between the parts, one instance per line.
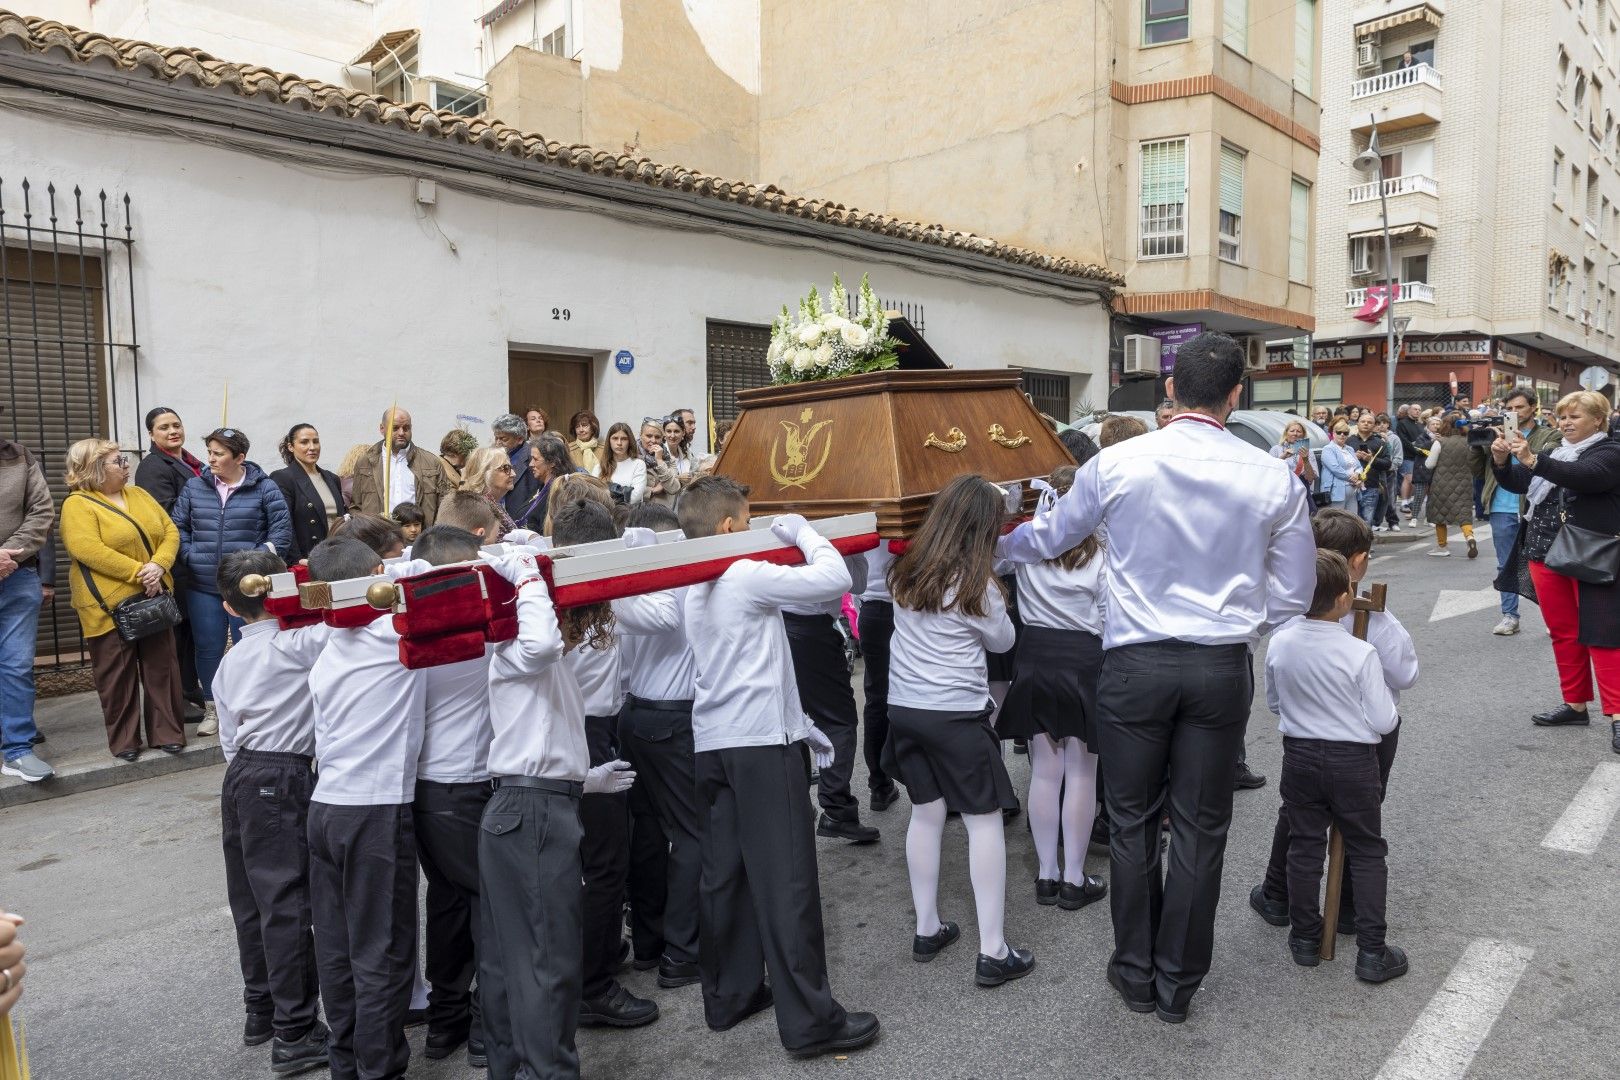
x=1054 y=688
x=948 y=755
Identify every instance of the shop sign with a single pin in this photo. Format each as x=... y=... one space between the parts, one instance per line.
x=1449 y=347
x=1511 y=354
x=1171 y=339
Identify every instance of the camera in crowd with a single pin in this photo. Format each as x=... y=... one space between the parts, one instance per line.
x=1482 y=432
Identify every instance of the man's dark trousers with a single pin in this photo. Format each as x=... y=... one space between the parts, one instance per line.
x=604 y=855
x=1170 y=722
x=877 y=628
x=657 y=740
x=1325 y=782
x=447 y=818
x=529 y=955
x=761 y=898
x=264 y=808
x=362 y=883
x=822 y=674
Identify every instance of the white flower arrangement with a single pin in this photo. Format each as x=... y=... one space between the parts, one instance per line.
x=829 y=342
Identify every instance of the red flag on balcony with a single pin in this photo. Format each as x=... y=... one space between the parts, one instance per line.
x=1376 y=303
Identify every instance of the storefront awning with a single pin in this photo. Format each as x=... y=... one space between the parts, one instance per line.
x=1420 y=13
x=392 y=42
x=1410 y=232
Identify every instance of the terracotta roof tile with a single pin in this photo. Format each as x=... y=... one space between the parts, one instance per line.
x=173 y=64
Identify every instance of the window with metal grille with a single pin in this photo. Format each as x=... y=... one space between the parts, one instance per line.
x=1164 y=199
x=736 y=362
x=910 y=311
x=1049 y=394
x=1231 y=203
x=55 y=253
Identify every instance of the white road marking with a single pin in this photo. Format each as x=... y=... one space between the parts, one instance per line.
x=1587 y=818
x=1453 y=602
x=1443 y=1040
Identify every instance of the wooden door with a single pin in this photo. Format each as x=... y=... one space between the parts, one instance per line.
x=561 y=385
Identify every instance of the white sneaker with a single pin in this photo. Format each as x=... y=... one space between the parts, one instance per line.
x=30 y=766
x=1441 y=553
x=1395 y=527
x=1378 y=528
x=1508 y=625
x=209 y=725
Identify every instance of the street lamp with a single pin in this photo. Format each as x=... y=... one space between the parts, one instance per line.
x=1370 y=161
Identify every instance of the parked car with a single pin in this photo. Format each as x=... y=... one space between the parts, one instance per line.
x=1257 y=427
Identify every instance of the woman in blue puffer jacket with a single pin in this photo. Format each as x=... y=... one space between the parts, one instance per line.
x=231 y=506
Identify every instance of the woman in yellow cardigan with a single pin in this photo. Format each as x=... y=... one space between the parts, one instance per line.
x=104 y=521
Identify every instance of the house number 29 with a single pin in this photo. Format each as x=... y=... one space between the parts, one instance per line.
x=561 y=314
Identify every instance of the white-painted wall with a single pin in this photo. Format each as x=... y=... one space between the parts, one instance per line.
x=322 y=295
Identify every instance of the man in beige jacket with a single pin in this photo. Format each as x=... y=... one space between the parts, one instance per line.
x=414 y=475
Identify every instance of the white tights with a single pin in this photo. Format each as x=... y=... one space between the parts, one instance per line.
x=1061 y=770
x=987 y=869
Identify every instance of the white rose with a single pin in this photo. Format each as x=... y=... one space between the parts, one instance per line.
x=803 y=359
x=832 y=324
x=855 y=336
x=823 y=355
x=810 y=335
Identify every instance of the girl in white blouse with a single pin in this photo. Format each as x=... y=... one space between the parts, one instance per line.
x=949 y=609
x=622 y=467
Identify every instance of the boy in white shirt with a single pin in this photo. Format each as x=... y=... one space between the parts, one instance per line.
x=1347 y=534
x=362 y=841
x=1328 y=688
x=267 y=732
x=761 y=899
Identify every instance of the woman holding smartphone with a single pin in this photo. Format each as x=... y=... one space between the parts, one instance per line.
x=1295 y=448
x=663 y=481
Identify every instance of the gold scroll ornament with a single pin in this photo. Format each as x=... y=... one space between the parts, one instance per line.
x=998 y=435
x=953 y=443
x=790 y=454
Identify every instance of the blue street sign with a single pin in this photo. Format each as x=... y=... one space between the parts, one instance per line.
x=624 y=361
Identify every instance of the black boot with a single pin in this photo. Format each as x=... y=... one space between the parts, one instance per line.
x=300 y=1055
x=1380 y=965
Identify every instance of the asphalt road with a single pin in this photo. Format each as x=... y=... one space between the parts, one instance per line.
x=132 y=962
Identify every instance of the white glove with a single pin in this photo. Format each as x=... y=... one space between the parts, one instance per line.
x=404 y=568
x=521 y=536
x=821 y=747
x=786 y=528
x=609 y=778
x=639 y=538
x=517 y=567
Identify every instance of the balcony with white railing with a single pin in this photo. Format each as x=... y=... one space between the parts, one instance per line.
x=1405 y=291
x=1403 y=98
x=1414 y=205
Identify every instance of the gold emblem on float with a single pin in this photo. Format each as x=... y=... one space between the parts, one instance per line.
x=792 y=452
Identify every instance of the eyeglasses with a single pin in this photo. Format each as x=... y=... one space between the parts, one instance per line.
x=504 y=468
x=122 y=461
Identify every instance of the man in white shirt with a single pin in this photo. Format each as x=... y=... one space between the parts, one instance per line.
x=407 y=473
x=1209 y=547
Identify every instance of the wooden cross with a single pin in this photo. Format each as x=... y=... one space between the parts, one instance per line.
x=1363 y=608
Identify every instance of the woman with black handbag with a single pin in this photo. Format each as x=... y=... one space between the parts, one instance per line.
x=1570 y=546
x=123 y=545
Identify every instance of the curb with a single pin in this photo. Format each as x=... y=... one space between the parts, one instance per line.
x=71 y=781
x=1403 y=537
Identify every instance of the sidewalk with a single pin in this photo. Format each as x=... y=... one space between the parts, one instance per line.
x=76 y=746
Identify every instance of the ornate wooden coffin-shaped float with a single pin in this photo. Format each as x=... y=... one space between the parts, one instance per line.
x=887 y=441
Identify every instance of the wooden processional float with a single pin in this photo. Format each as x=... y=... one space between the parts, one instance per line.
x=860 y=456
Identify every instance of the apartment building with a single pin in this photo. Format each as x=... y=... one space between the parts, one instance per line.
x=1496 y=137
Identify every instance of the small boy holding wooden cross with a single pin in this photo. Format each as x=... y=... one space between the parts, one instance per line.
x=1328 y=688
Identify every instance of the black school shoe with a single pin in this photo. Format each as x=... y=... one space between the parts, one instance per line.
x=859 y=1029
x=883 y=798
x=441 y=1044
x=1614 y=735
x=672 y=975
x=617 y=1008
x=1274 y=912
x=853 y=831
x=1246 y=779
x=257 y=1029
x=1015 y=965
x=763 y=999
x=476 y=1057
x=1563 y=716
x=287 y=1058
x=1380 y=965
x=924 y=949
x=1046 y=891
x=1307 y=952
x=1135 y=1004
x=1089 y=891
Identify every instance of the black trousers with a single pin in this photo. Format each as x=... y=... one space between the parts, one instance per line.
x=648 y=890
x=447 y=818
x=761 y=898
x=264 y=808
x=822 y=676
x=1170 y=720
x=529 y=955
x=657 y=739
x=362 y=883
x=1323 y=783
x=1277 y=865
x=877 y=627
x=604 y=855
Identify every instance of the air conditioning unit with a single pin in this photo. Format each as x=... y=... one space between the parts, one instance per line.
x=1141 y=355
x=1254 y=354
x=1367 y=53
x=1361 y=252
